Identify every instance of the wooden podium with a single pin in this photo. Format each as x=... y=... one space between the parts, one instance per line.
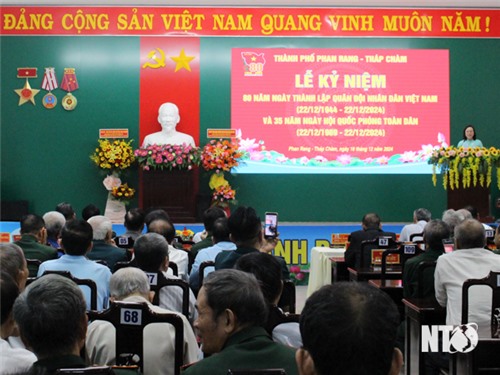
x=174 y=191
x=476 y=196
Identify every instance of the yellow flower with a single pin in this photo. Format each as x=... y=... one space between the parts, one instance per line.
x=216 y=181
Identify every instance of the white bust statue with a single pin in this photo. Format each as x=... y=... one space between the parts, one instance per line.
x=168 y=117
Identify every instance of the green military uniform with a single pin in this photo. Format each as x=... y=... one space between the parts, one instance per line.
x=34 y=250
x=227 y=259
x=251 y=348
x=51 y=365
x=111 y=254
x=410 y=275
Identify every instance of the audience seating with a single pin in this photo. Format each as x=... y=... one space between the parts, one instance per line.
x=119 y=265
x=405 y=252
x=422 y=268
x=201 y=270
x=33 y=265
x=276 y=371
x=86 y=282
x=381 y=242
x=493 y=281
x=129 y=320
x=92 y=370
x=288 y=297
x=157 y=283
x=413 y=235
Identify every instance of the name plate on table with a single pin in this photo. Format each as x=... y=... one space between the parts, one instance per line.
x=340 y=240
x=377 y=257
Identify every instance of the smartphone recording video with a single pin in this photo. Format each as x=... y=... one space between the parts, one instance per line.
x=271 y=225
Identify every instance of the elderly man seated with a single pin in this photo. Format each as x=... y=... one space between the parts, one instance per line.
x=102 y=248
x=76 y=241
x=470 y=260
x=131 y=285
x=152 y=255
x=349 y=328
x=232 y=311
x=52 y=321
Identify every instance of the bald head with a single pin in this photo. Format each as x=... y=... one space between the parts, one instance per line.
x=164 y=228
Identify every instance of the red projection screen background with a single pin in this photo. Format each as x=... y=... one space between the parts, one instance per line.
x=339 y=110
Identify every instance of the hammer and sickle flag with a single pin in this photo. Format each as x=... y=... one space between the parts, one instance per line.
x=158 y=56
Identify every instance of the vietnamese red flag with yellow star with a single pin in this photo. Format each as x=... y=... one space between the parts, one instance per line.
x=170 y=72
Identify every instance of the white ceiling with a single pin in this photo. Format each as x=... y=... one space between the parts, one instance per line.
x=270 y=3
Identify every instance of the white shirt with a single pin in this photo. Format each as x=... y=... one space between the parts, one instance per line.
x=181 y=258
x=158 y=343
x=14 y=360
x=452 y=270
x=288 y=334
x=171 y=299
x=410 y=229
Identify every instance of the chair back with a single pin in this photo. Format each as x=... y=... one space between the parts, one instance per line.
x=129 y=320
x=490 y=239
x=201 y=271
x=414 y=237
x=380 y=242
x=33 y=265
x=174 y=267
x=274 y=371
x=157 y=281
x=93 y=370
x=99 y=370
x=422 y=268
x=405 y=252
x=119 y=265
x=493 y=281
x=124 y=242
x=288 y=297
x=86 y=282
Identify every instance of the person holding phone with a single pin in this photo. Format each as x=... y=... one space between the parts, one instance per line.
x=246 y=232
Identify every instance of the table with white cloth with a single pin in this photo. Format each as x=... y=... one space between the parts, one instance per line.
x=320 y=270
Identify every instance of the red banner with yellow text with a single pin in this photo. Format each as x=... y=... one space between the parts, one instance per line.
x=317 y=22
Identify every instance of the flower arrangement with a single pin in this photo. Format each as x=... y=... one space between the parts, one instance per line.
x=168 y=157
x=223 y=194
x=113 y=155
x=221 y=155
x=185 y=234
x=259 y=157
x=468 y=166
x=123 y=193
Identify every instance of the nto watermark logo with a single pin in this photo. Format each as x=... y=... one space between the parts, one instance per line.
x=449 y=339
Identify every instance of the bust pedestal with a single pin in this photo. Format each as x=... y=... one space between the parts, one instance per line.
x=476 y=196
x=174 y=191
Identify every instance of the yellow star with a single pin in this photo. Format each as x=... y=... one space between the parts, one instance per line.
x=26 y=94
x=182 y=61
